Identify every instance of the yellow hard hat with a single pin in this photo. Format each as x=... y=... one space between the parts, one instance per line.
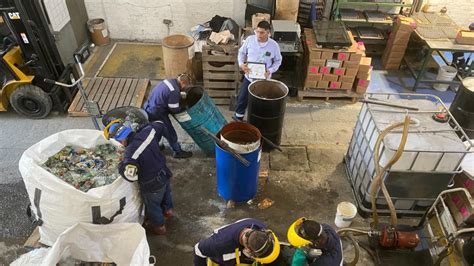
x=274 y=254
x=293 y=237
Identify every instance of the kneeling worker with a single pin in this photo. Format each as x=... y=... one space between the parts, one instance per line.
x=143 y=162
x=318 y=244
x=239 y=243
x=163 y=101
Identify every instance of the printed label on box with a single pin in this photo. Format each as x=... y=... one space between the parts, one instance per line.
x=342 y=56
x=325 y=70
x=313 y=70
x=333 y=63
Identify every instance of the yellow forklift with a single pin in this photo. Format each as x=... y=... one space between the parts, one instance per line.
x=29 y=56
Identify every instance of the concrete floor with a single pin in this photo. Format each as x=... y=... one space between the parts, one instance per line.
x=307 y=179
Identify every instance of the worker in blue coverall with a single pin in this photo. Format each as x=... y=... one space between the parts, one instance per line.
x=258 y=48
x=318 y=244
x=240 y=243
x=143 y=162
x=164 y=100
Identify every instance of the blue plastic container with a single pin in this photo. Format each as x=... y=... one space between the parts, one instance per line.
x=235 y=181
x=203 y=113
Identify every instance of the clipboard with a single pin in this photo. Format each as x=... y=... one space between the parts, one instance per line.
x=257 y=70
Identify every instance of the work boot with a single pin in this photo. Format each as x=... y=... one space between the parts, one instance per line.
x=182 y=154
x=168 y=213
x=156 y=230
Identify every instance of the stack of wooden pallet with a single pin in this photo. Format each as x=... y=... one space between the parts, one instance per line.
x=334 y=73
x=221 y=74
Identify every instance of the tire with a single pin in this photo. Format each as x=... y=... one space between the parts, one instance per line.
x=31 y=101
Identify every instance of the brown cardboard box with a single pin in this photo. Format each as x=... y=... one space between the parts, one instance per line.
x=257 y=17
x=355 y=57
x=314 y=77
x=314 y=55
x=343 y=56
x=363 y=74
x=323 y=84
x=339 y=71
x=360 y=90
x=325 y=70
x=318 y=62
x=327 y=55
x=346 y=85
x=330 y=77
x=310 y=84
x=347 y=79
x=464 y=180
x=313 y=70
x=465 y=37
x=460 y=208
x=351 y=72
x=365 y=64
x=396 y=48
x=350 y=64
x=334 y=85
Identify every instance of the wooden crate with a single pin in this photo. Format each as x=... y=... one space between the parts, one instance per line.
x=221 y=75
x=328 y=94
x=110 y=93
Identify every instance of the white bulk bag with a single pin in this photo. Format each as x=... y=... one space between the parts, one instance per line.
x=123 y=244
x=57 y=205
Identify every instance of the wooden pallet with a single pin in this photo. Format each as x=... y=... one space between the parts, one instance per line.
x=221 y=76
x=327 y=94
x=110 y=93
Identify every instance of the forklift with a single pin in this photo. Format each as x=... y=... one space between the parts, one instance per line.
x=29 y=58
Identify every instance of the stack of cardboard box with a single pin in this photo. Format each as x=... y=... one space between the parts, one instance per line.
x=344 y=69
x=397 y=42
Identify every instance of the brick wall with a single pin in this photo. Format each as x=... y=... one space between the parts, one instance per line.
x=142 y=19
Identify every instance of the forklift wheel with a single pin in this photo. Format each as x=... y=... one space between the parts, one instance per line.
x=31 y=101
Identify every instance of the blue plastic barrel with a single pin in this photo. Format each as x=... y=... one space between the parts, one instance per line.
x=235 y=181
x=201 y=113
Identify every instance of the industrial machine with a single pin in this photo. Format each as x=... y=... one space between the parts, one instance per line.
x=29 y=56
x=287 y=34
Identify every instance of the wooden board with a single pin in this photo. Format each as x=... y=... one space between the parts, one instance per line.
x=33 y=240
x=327 y=94
x=110 y=93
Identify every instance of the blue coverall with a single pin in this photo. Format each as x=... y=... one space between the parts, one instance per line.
x=220 y=246
x=143 y=151
x=163 y=100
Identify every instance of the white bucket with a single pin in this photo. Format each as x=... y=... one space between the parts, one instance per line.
x=346 y=212
x=445 y=73
x=242 y=148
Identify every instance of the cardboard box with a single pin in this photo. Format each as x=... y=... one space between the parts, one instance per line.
x=343 y=56
x=351 y=72
x=347 y=79
x=314 y=54
x=350 y=64
x=364 y=75
x=310 y=84
x=334 y=85
x=318 y=62
x=360 y=90
x=363 y=82
x=330 y=77
x=327 y=55
x=464 y=180
x=257 y=17
x=325 y=70
x=365 y=64
x=396 y=48
x=460 y=208
x=314 y=77
x=465 y=37
x=339 y=71
x=313 y=70
x=346 y=85
x=323 y=84
x=355 y=57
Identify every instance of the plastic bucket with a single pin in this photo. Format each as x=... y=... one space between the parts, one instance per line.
x=236 y=181
x=241 y=137
x=445 y=73
x=98 y=31
x=346 y=212
x=176 y=55
x=201 y=112
x=266 y=108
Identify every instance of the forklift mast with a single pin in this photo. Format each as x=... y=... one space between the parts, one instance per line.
x=28 y=22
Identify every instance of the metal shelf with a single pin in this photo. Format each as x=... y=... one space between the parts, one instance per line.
x=374 y=4
x=387 y=22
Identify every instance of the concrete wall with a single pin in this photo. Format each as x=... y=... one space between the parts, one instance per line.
x=461 y=11
x=143 y=19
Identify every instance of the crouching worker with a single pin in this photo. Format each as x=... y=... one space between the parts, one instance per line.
x=318 y=244
x=144 y=163
x=244 y=242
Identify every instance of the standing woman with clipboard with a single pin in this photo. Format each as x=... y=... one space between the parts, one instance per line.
x=257 y=49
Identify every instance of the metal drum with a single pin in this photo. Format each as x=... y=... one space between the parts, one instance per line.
x=201 y=112
x=266 y=108
x=462 y=107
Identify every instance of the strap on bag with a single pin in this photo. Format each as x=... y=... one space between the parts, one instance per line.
x=97 y=218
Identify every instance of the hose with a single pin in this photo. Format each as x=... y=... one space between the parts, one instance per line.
x=377 y=182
